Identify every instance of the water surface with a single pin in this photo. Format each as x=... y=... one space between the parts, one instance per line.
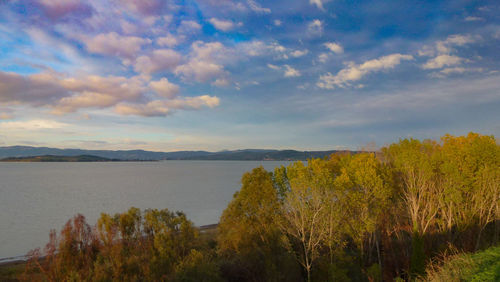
x=37 y=197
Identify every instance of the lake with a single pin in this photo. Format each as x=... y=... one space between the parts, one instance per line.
x=37 y=197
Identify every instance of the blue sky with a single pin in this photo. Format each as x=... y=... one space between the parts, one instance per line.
x=219 y=74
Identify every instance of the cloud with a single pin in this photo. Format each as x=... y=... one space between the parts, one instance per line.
x=164 y=88
x=444 y=47
x=189 y=27
x=334 y=47
x=323 y=57
x=203 y=63
x=274 y=67
x=98 y=92
x=114 y=44
x=144 y=7
x=35 y=89
x=477 y=91
x=454 y=70
x=447 y=46
x=4 y=116
x=166 y=107
x=223 y=81
x=57 y=9
x=223 y=25
x=441 y=61
x=355 y=72
x=256 y=7
x=291 y=72
x=156 y=61
x=253 y=48
x=288 y=71
x=318 y=4
x=473 y=19
x=277 y=22
x=168 y=40
x=128 y=27
x=315 y=27
x=299 y=53
x=35 y=124
x=260 y=48
x=69 y=94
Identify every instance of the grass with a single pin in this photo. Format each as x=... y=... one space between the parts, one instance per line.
x=480 y=266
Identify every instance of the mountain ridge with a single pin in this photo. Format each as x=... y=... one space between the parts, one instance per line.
x=241 y=154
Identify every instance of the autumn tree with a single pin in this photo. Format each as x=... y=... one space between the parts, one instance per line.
x=413 y=160
x=248 y=232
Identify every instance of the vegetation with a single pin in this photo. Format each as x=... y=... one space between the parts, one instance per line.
x=368 y=216
x=481 y=266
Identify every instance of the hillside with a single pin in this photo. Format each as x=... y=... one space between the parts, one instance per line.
x=246 y=154
x=480 y=266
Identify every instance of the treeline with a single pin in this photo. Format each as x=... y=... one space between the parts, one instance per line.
x=362 y=217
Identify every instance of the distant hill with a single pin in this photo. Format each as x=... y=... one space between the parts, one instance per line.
x=247 y=154
x=50 y=158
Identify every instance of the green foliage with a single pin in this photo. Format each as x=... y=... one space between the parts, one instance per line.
x=362 y=217
x=481 y=266
x=248 y=236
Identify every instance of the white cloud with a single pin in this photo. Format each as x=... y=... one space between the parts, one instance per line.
x=274 y=67
x=323 y=57
x=223 y=24
x=291 y=72
x=277 y=22
x=203 y=64
x=166 y=107
x=35 y=124
x=299 y=53
x=318 y=4
x=455 y=70
x=473 y=19
x=315 y=27
x=442 y=61
x=168 y=40
x=253 y=48
x=97 y=92
x=158 y=60
x=189 y=27
x=288 y=71
x=256 y=7
x=355 y=72
x=164 y=88
x=114 y=44
x=334 y=47
x=63 y=94
x=446 y=46
x=128 y=27
x=220 y=82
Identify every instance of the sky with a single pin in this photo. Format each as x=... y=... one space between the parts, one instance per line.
x=169 y=75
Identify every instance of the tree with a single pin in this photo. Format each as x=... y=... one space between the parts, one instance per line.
x=248 y=232
x=305 y=210
x=413 y=161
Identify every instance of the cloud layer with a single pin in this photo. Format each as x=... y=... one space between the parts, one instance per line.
x=275 y=73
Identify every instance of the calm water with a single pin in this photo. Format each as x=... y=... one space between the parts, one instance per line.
x=37 y=197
